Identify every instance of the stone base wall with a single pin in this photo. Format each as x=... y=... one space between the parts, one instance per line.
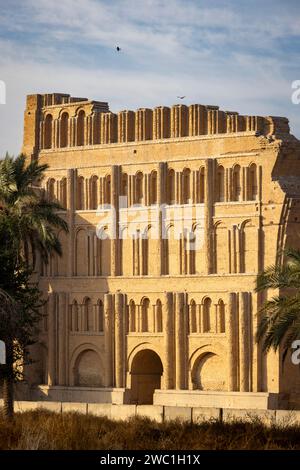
x=80 y=394
x=165 y=413
x=177 y=398
x=230 y=400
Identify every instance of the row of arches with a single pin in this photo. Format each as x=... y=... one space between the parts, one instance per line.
x=57 y=191
x=181 y=187
x=146 y=372
x=235 y=250
x=88 y=126
x=206 y=317
x=144 y=317
x=182 y=253
x=139 y=253
x=142 y=253
x=92 y=254
x=203 y=317
x=62 y=136
x=86 y=317
x=145 y=369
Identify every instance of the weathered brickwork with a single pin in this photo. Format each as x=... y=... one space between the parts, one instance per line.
x=172 y=213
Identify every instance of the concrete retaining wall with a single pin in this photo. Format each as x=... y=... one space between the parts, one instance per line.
x=161 y=414
x=78 y=394
x=209 y=399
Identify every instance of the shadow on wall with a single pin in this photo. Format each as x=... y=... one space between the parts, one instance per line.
x=208 y=373
x=286 y=173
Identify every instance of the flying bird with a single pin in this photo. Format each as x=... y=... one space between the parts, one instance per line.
x=118 y=48
x=181 y=97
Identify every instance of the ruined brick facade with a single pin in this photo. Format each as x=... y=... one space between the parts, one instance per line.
x=161 y=296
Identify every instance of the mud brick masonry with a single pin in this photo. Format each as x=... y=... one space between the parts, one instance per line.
x=172 y=213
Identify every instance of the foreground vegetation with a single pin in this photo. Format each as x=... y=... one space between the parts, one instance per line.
x=29 y=226
x=43 y=430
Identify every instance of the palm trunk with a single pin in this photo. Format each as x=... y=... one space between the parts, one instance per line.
x=8 y=398
x=8 y=384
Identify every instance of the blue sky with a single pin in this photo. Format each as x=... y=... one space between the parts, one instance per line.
x=240 y=55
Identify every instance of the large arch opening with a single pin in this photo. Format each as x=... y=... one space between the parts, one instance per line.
x=146 y=372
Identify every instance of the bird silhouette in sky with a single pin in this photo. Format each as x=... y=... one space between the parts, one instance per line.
x=181 y=97
x=118 y=48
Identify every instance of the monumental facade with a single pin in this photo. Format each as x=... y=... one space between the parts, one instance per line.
x=172 y=212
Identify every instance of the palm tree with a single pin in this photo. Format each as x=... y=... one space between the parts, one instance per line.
x=279 y=323
x=29 y=224
x=34 y=217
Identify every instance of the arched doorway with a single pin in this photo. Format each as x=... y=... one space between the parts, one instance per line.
x=146 y=371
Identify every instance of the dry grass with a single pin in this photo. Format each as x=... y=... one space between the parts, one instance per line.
x=46 y=430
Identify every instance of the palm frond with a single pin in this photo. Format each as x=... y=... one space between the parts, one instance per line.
x=35 y=221
x=276 y=277
x=293 y=254
x=278 y=317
